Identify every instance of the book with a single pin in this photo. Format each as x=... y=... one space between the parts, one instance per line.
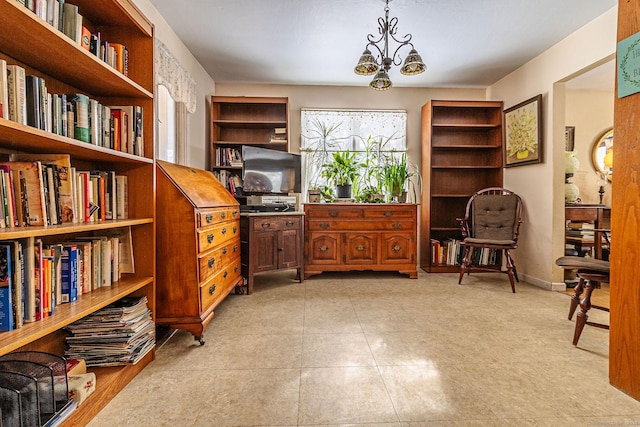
x=81 y=386
x=38 y=280
x=125 y=114
x=62 y=163
x=17 y=93
x=122 y=196
x=29 y=278
x=69 y=20
x=34 y=189
x=84 y=267
x=6 y=288
x=80 y=103
x=85 y=38
x=17 y=262
x=33 y=101
x=76 y=366
x=4 y=90
x=69 y=270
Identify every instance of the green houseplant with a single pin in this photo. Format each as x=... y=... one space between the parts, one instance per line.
x=342 y=171
x=396 y=176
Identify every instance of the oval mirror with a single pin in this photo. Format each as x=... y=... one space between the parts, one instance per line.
x=602 y=154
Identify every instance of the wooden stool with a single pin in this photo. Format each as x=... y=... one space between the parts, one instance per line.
x=591 y=272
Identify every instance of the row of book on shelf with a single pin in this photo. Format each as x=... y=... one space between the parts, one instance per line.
x=25 y=99
x=36 y=277
x=450 y=252
x=65 y=17
x=227 y=156
x=279 y=135
x=230 y=180
x=44 y=189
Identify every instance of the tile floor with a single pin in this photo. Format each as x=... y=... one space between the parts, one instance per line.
x=378 y=349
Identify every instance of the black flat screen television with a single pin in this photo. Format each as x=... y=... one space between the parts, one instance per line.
x=266 y=171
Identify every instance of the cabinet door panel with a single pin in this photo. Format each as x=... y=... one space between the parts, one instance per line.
x=397 y=248
x=289 y=247
x=324 y=248
x=265 y=247
x=360 y=249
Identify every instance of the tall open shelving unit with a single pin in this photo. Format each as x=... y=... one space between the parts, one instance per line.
x=461 y=154
x=42 y=50
x=238 y=120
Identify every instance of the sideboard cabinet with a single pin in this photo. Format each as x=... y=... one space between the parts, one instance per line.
x=198 y=235
x=270 y=242
x=362 y=236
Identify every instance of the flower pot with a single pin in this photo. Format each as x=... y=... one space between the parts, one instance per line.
x=343 y=191
x=313 y=196
x=522 y=154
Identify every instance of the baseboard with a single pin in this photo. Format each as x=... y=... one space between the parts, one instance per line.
x=537 y=282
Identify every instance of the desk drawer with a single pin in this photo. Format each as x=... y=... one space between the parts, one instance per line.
x=218 y=235
x=276 y=223
x=211 y=262
x=210 y=217
x=212 y=289
x=333 y=212
x=361 y=225
x=390 y=213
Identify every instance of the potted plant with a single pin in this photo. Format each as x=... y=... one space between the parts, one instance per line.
x=342 y=172
x=396 y=175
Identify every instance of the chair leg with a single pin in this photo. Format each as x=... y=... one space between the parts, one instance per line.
x=513 y=264
x=575 y=299
x=585 y=306
x=511 y=270
x=464 y=266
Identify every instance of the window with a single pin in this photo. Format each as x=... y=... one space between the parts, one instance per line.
x=374 y=135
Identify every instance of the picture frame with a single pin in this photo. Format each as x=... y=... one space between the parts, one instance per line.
x=523 y=142
x=569 y=138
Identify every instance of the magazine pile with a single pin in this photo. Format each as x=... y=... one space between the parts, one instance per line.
x=118 y=334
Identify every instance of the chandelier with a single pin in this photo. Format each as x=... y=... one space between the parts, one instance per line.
x=369 y=65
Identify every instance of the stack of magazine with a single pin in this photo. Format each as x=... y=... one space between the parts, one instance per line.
x=119 y=334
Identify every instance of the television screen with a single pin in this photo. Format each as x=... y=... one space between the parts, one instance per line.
x=266 y=171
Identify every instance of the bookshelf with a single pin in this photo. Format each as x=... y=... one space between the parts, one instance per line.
x=237 y=121
x=461 y=154
x=42 y=50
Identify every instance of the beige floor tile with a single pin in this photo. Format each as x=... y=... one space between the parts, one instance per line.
x=333 y=350
x=343 y=395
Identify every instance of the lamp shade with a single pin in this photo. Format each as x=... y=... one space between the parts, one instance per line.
x=413 y=64
x=367 y=65
x=381 y=81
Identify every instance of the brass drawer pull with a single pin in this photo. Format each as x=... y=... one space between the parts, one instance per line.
x=333 y=213
x=224 y=250
x=324 y=225
x=360 y=248
x=224 y=231
x=324 y=248
x=266 y=224
x=208 y=218
x=209 y=238
x=211 y=262
x=388 y=213
x=396 y=248
x=235 y=268
x=289 y=223
x=225 y=274
x=235 y=248
x=223 y=215
x=234 y=213
x=235 y=229
x=212 y=289
x=396 y=225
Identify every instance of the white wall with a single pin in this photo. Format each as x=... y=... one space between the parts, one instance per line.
x=542 y=238
x=591 y=112
x=198 y=122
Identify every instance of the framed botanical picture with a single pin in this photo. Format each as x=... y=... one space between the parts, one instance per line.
x=523 y=133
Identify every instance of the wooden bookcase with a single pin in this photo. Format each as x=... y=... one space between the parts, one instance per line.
x=461 y=154
x=237 y=121
x=42 y=50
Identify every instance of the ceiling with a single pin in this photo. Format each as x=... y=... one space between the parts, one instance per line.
x=465 y=43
